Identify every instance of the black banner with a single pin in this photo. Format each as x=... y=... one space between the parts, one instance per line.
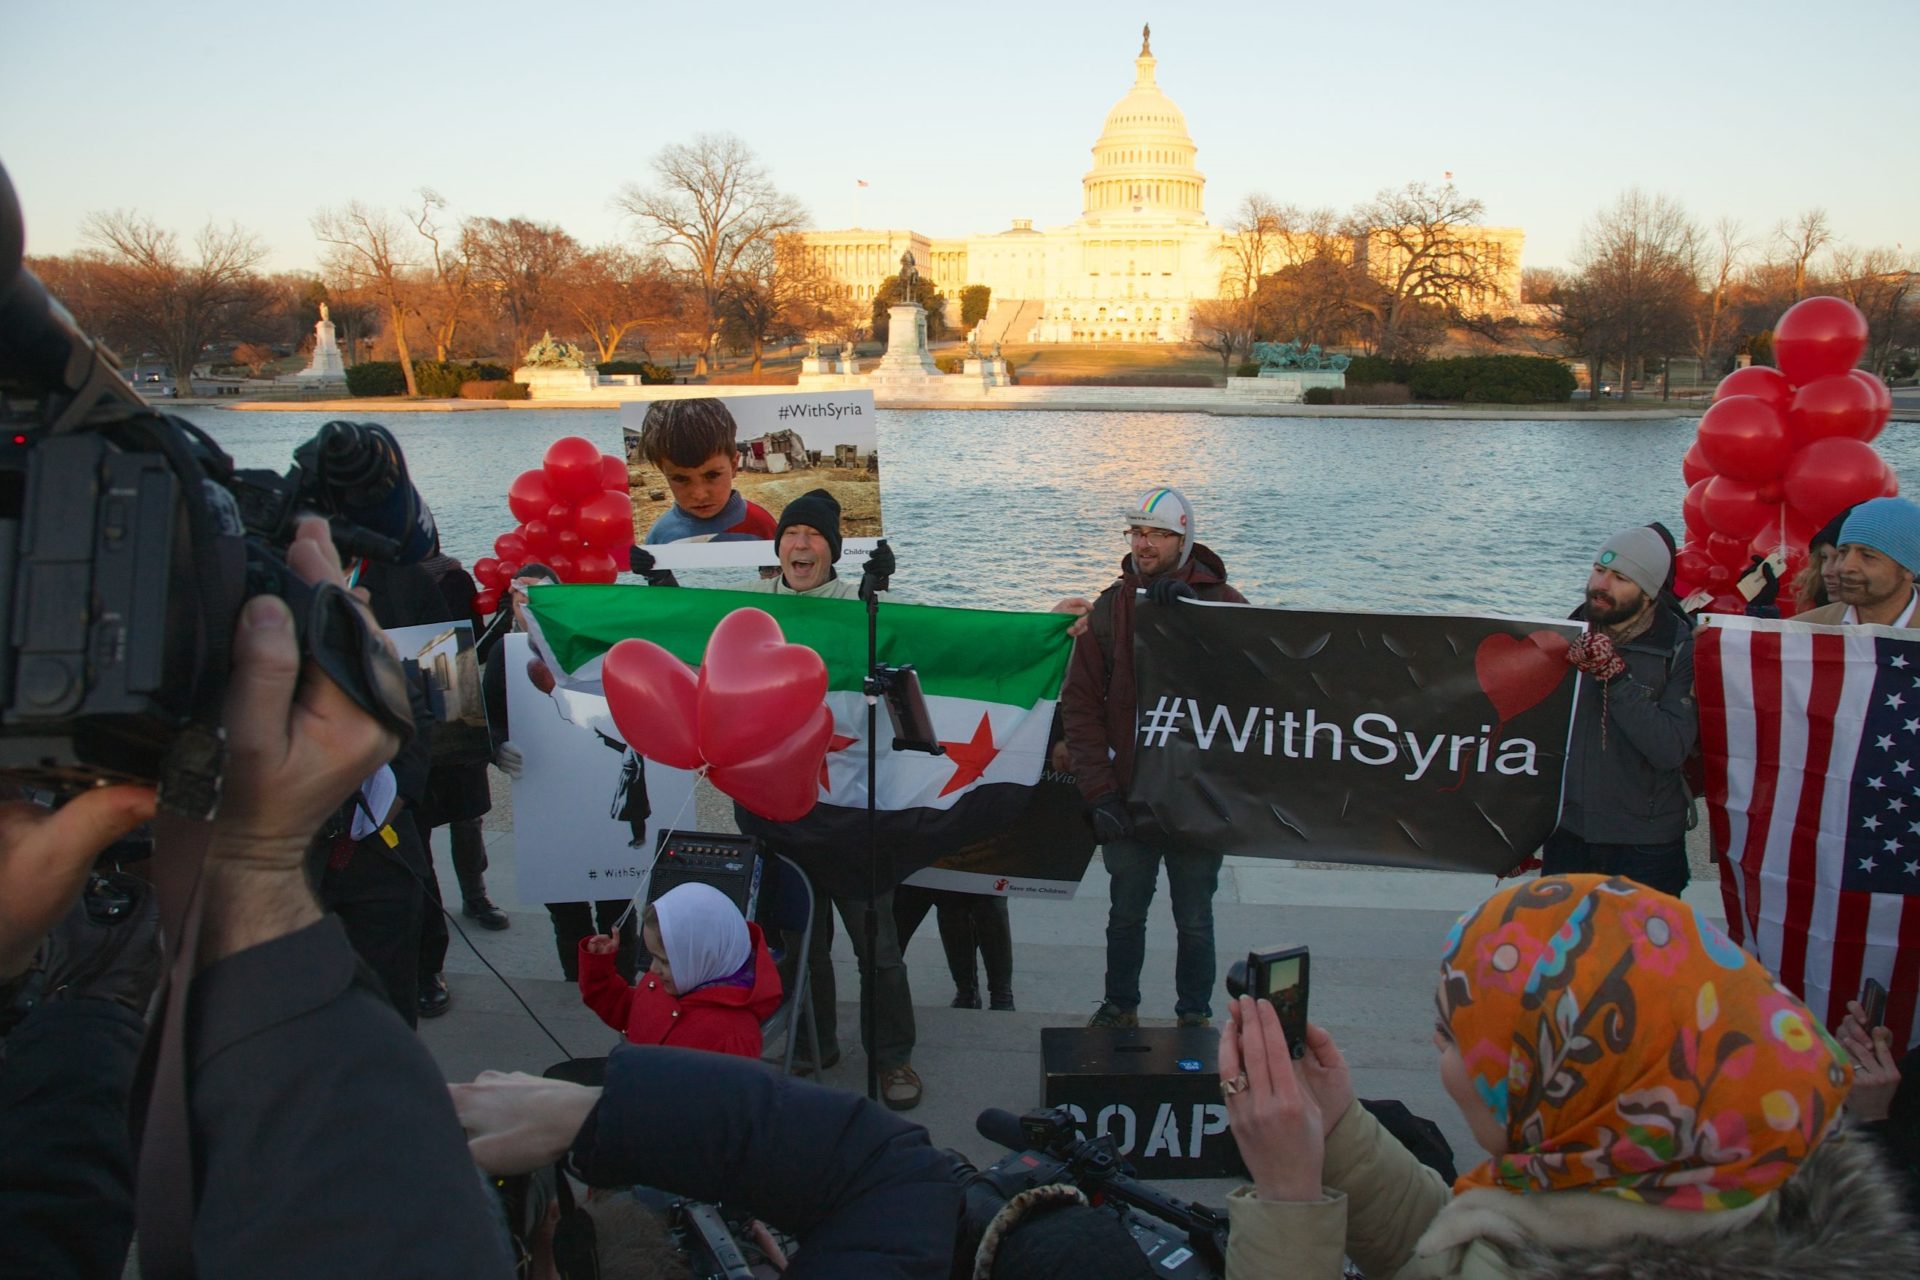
x=1394 y=739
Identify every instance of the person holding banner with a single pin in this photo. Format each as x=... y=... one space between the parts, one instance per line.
x=1097 y=707
x=1625 y=806
x=1874 y=566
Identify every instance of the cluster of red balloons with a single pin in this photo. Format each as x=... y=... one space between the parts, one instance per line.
x=754 y=717
x=576 y=517
x=1781 y=452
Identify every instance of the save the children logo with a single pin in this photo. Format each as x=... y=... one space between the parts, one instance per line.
x=1370 y=738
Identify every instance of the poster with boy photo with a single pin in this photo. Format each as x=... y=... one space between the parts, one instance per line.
x=444 y=652
x=587 y=811
x=710 y=475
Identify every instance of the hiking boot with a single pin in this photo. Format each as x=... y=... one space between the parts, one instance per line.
x=1194 y=1020
x=434 y=998
x=900 y=1087
x=1001 y=1002
x=484 y=913
x=1110 y=1014
x=966 y=998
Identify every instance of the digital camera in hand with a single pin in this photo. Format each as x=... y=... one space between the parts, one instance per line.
x=1178 y=1239
x=129 y=542
x=1278 y=976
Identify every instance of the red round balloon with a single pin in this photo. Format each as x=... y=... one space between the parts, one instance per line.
x=528 y=497
x=511 y=546
x=1819 y=338
x=1744 y=437
x=781 y=784
x=653 y=698
x=1691 y=563
x=1830 y=474
x=1735 y=508
x=594 y=565
x=573 y=468
x=1717 y=575
x=562 y=564
x=1694 y=514
x=509 y=571
x=613 y=473
x=486 y=572
x=756 y=690
x=1693 y=467
x=1882 y=399
x=1727 y=602
x=1728 y=552
x=606 y=521
x=1758 y=381
x=539 y=535
x=485 y=602
x=562 y=515
x=1842 y=405
x=1890 y=482
x=568 y=542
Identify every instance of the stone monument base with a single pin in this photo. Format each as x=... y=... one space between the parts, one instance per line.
x=907 y=363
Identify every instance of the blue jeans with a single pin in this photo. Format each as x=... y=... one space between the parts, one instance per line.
x=1662 y=865
x=1192 y=878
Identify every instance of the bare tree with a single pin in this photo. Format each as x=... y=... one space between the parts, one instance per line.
x=148 y=288
x=1636 y=291
x=711 y=206
x=613 y=292
x=779 y=290
x=1417 y=247
x=365 y=250
x=1880 y=283
x=1309 y=292
x=1223 y=326
x=1799 y=239
x=1721 y=260
x=522 y=265
x=448 y=287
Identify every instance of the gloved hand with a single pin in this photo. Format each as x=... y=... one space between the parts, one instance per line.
x=880 y=565
x=1166 y=590
x=509 y=760
x=1110 y=819
x=1594 y=654
x=1769 y=593
x=640 y=560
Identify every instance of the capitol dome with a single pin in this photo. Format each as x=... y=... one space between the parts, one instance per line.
x=1143 y=162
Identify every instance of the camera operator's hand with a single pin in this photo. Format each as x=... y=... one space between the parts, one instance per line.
x=45 y=855
x=1275 y=1117
x=1876 y=1076
x=297 y=746
x=517 y=1123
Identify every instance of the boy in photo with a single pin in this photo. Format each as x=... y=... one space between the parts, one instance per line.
x=693 y=444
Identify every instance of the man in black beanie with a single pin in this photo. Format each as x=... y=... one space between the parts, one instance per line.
x=808 y=542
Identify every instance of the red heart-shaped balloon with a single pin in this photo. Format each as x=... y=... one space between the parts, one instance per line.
x=653 y=696
x=782 y=784
x=756 y=690
x=1517 y=672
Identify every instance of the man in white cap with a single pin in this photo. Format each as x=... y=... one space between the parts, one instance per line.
x=1876 y=559
x=1625 y=804
x=1097 y=710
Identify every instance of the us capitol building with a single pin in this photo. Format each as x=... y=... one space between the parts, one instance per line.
x=1131 y=268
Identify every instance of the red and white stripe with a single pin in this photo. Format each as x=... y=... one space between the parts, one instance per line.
x=1783 y=707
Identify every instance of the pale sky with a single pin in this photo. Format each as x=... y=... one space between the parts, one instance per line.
x=262 y=114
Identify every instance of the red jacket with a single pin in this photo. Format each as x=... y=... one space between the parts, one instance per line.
x=1097 y=704
x=719 y=1017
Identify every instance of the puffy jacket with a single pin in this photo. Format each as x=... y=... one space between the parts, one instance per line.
x=719 y=1017
x=1631 y=789
x=1838 y=1218
x=1097 y=703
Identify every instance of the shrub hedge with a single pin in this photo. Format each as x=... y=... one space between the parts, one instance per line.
x=650 y=373
x=1317 y=395
x=376 y=378
x=495 y=389
x=432 y=377
x=1492 y=379
x=1364 y=370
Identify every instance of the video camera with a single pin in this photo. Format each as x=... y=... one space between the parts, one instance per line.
x=129 y=542
x=1181 y=1240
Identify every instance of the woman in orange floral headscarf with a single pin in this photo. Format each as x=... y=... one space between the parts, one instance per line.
x=1651 y=1100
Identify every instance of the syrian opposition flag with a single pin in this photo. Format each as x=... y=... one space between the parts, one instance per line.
x=991 y=681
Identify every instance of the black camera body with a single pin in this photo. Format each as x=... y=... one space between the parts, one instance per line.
x=1279 y=976
x=1178 y=1238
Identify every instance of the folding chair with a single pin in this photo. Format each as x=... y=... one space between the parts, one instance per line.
x=786 y=911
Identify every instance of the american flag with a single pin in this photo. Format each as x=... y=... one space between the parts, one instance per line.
x=1811 y=737
x=860 y=182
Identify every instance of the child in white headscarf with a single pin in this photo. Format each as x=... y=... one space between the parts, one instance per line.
x=710 y=986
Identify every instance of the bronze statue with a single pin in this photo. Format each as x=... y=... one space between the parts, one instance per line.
x=909 y=280
x=1146 y=40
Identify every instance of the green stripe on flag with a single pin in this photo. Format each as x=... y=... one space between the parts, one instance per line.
x=1012 y=658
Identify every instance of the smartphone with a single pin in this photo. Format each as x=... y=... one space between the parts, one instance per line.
x=907 y=711
x=1873 y=998
x=1280 y=978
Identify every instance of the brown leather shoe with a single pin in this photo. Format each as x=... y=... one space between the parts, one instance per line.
x=900 y=1088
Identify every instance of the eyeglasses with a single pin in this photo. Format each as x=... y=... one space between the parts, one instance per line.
x=1151 y=535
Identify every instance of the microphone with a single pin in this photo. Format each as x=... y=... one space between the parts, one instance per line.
x=1003 y=1127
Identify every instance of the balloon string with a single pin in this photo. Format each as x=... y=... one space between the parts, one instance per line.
x=646 y=877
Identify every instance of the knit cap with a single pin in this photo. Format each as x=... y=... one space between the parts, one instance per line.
x=1639 y=555
x=1164 y=508
x=817 y=509
x=1890 y=526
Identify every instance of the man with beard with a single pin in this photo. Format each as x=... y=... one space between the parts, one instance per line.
x=1097 y=708
x=1873 y=565
x=1625 y=804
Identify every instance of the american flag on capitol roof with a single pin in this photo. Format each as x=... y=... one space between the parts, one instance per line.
x=1811 y=739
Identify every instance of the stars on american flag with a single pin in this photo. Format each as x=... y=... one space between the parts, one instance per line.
x=1870 y=822
x=1867 y=863
x=1899 y=660
x=1895 y=701
x=1903 y=768
x=1878 y=784
x=1884 y=742
x=1913 y=868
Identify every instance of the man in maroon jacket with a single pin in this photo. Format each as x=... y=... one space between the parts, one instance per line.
x=1097 y=708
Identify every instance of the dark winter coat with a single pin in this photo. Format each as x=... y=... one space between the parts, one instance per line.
x=1631 y=789
x=1097 y=703
x=718 y=1017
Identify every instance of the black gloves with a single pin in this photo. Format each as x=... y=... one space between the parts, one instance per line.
x=1165 y=590
x=640 y=560
x=1110 y=819
x=106 y=948
x=1766 y=595
x=880 y=565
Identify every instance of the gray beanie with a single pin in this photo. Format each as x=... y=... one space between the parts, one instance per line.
x=1164 y=508
x=1639 y=555
x=1890 y=526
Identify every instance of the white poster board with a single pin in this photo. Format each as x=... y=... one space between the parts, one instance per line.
x=568 y=846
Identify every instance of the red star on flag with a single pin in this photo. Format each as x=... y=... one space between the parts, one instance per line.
x=835 y=743
x=970 y=759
